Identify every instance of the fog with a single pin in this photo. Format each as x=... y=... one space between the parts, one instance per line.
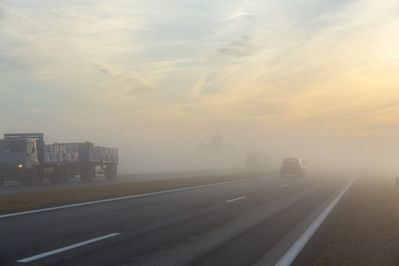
x=309 y=79
x=162 y=153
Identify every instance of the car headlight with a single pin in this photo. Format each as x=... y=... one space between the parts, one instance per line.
x=20 y=166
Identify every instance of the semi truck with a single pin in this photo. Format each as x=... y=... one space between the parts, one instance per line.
x=255 y=161
x=26 y=158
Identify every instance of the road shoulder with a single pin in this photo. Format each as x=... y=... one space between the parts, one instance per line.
x=363 y=229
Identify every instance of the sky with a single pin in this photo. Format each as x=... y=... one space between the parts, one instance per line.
x=297 y=76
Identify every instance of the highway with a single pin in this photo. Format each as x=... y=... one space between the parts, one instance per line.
x=250 y=222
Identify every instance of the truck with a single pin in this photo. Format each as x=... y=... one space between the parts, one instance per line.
x=293 y=167
x=26 y=158
x=255 y=161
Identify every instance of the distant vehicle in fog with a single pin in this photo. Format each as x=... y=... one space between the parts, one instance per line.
x=255 y=160
x=26 y=158
x=292 y=167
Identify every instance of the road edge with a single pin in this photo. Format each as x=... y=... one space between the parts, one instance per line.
x=301 y=242
x=124 y=198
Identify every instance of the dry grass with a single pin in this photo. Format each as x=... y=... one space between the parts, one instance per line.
x=362 y=230
x=40 y=199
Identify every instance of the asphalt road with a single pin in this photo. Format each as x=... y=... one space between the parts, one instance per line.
x=253 y=222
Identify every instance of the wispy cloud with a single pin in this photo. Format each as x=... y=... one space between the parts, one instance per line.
x=280 y=62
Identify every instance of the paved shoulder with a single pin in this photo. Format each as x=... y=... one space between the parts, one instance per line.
x=362 y=230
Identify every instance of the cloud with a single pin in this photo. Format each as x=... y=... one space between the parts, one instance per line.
x=228 y=61
x=238 y=15
x=233 y=52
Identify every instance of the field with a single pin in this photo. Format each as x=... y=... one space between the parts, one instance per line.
x=362 y=230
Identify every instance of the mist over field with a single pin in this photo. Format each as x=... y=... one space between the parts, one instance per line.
x=160 y=79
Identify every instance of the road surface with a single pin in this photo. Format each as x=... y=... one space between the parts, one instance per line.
x=251 y=222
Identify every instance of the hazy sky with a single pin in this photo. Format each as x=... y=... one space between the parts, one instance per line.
x=153 y=70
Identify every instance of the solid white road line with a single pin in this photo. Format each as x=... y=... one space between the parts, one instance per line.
x=239 y=198
x=53 y=252
x=297 y=247
x=284 y=185
x=123 y=198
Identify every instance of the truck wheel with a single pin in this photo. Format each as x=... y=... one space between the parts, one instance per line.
x=31 y=177
x=110 y=172
x=115 y=171
x=87 y=173
x=53 y=179
x=61 y=177
x=58 y=175
x=26 y=180
x=70 y=173
x=107 y=172
x=54 y=176
x=38 y=175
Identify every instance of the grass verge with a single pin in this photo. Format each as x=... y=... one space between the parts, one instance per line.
x=41 y=199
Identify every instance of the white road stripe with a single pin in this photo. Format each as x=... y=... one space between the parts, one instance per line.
x=60 y=250
x=123 y=198
x=284 y=185
x=297 y=247
x=239 y=198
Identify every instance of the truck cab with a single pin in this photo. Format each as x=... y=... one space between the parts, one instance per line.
x=19 y=158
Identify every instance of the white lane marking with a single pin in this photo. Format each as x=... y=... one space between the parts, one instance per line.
x=123 y=198
x=284 y=185
x=60 y=250
x=239 y=198
x=297 y=247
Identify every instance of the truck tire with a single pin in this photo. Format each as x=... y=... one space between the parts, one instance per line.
x=65 y=174
x=107 y=172
x=115 y=171
x=70 y=172
x=58 y=176
x=87 y=173
x=110 y=172
x=53 y=178
x=2 y=179
x=26 y=180
x=31 y=177
x=61 y=175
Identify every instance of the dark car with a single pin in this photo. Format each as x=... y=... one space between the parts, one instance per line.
x=292 y=167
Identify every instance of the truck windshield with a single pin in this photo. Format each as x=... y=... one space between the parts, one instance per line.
x=12 y=146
